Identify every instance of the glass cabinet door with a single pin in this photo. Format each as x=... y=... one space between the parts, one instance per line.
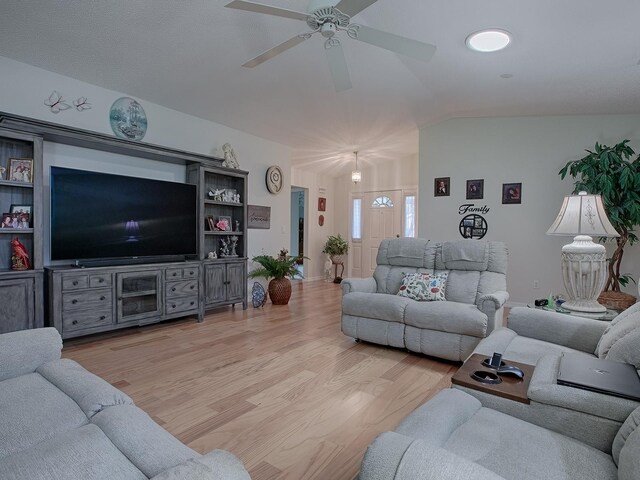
x=138 y=295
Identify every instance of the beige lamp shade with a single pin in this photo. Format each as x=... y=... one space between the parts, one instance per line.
x=582 y=214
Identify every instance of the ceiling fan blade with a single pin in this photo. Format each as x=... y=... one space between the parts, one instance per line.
x=277 y=50
x=338 y=67
x=267 y=9
x=395 y=43
x=353 y=7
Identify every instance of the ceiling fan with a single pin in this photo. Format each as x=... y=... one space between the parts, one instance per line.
x=329 y=17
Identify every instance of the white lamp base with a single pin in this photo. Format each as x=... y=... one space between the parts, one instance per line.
x=584 y=271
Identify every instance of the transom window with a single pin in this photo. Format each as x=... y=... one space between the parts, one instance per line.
x=382 y=201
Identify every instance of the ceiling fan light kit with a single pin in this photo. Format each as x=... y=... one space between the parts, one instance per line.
x=489 y=40
x=329 y=20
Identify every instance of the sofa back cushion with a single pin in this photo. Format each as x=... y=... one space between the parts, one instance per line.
x=620 y=341
x=626 y=447
x=475 y=267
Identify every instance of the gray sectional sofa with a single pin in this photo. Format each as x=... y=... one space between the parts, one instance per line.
x=454 y=437
x=60 y=422
x=475 y=296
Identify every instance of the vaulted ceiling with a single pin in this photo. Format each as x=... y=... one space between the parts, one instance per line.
x=567 y=57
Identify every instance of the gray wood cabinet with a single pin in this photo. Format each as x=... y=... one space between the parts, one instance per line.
x=21 y=291
x=91 y=300
x=225 y=283
x=222 y=194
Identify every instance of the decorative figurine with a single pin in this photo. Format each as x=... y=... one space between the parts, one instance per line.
x=230 y=160
x=234 y=242
x=237 y=227
x=224 y=251
x=20 y=257
x=212 y=255
x=216 y=194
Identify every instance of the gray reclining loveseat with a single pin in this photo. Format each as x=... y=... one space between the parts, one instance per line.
x=475 y=294
x=58 y=421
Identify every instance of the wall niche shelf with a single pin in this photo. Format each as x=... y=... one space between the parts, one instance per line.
x=182 y=289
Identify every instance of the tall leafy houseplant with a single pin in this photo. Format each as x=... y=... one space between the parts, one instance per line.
x=610 y=172
x=279 y=269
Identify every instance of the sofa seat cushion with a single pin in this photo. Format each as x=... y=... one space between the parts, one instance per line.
x=83 y=453
x=451 y=317
x=380 y=306
x=33 y=411
x=520 y=349
x=513 y=448
x=145 y=443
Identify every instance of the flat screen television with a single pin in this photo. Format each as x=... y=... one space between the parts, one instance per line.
x=99 y=216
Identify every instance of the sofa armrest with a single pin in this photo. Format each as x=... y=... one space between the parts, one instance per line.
x=544 y=389
x=24 y=351
x=575 y=332
x=365 y=285
x=393 y=456
x=215 y=465
x=493 y=300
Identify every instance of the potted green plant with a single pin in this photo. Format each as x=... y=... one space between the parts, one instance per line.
x=336 y=247
x=279 y=269
x=610 y=172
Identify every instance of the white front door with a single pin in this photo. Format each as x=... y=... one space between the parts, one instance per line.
x=381 y=218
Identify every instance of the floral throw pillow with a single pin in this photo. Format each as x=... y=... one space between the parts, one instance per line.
x=424 y=286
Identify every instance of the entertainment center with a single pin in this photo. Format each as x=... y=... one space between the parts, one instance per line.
x=124 y=271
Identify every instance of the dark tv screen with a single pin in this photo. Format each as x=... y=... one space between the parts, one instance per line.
x=98 y=215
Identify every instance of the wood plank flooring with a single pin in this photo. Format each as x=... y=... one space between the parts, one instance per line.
x=280 y=387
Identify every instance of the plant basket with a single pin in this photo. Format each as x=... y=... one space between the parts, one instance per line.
x=280 y=291
x=616 y=300
x=337 y=259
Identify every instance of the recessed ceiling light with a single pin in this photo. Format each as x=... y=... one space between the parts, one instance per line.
x=490 y=40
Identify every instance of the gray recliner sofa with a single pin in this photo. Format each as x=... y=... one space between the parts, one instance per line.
x=475 y=295
x=454 y=437
x=60 y=422
x=539 y=337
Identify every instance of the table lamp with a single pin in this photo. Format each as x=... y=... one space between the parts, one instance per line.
x=584 y=263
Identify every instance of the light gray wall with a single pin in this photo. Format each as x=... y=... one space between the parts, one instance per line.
x=530 y=150
x=24 y=89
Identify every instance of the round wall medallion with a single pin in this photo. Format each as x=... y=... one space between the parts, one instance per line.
x=127 y=119
x=274 y=179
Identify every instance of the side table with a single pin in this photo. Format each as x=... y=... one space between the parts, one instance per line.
x=511 y=387
x=605 y=316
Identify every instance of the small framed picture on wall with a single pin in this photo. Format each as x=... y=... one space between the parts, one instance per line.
x=511 y=193
x=441 y=187
x=475 y=189
x=322 y=204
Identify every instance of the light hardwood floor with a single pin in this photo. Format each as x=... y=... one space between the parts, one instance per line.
x=280 y=387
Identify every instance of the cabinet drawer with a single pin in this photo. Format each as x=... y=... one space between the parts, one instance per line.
x=173 y=274
x=181 y=304
x=80 y=320
x=99 y=298
x=75 y=282
x=190 y=272
x=181 y=288
x=100 y=280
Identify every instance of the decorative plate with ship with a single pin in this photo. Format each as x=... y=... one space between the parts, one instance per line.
x=128 y=119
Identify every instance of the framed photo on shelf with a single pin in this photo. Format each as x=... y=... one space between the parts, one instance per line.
x=210 y=223
x=511 y=193
x=475 y=189
x=441 y=187
x=21 y=215
x=224 y=224
x=20 y=170
x=7 y=221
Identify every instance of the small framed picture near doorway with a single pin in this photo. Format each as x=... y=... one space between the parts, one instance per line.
x=511 y=193
x=475 y=189
x=441 y=187
x=322 y=204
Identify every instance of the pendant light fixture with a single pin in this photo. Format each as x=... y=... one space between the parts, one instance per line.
x=356 y=175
